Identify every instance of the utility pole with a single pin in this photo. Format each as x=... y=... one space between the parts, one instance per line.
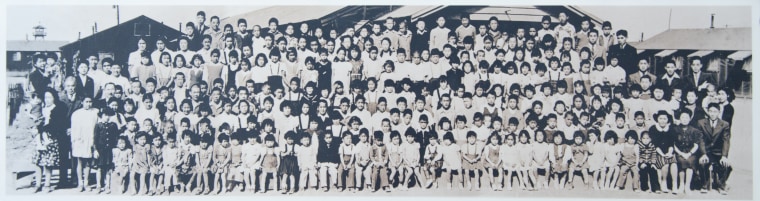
x=118 y=21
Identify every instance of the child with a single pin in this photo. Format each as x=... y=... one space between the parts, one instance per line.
x=345 y=170
x=121 y=158
x=630 y=161
x=362 y=160
x=411 y=158
x=221 y=163
x=269 y=163
x=595 y=158
x=579 y=159
x=471 y=153
x=493 y=160
x=235 y=175
x=289 y=163
x=525 y=168
x=541 y=158
x=156 y=164
x=251 y=159
x=611 y=159
x=379 y=155
x=205 y=162
x=307 y=157
x=433 y=160
x=140 y=162
x=171 y=155
x=509 y=156
x=559 y=160
x=394 y=157
x=452 y=160
x=188 y=151
x=647 y=164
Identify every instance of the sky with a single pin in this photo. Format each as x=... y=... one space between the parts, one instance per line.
x=65 y=22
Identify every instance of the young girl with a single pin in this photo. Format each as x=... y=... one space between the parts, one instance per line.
x=121 y=158
x=157 y=163
x=289 y=163
x=394 y=157
x=362 y=161
x=509 y=156
x=611 y=159
x=525 y=156
x=630 y=161
x=579 y=159
x=471 y=153
x=452 y=161
x=221 y=163
x=251 y=159
x=648 y=164
x=140 y=163
x=411 y=158
x=561 y=156
x=307 y=157
x=493 y=160
x=205 y=162
x=269 y=163
x=171 y=155
x=541 y=158
x=433 y=160
x=595 y=158
x=235 y=175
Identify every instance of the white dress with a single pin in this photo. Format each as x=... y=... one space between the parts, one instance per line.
x=83 y=132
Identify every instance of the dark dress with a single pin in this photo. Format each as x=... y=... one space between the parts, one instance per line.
x=54 y=131
x=687 y=137
x=289 y=161
x=106 y=135
x=663 y=140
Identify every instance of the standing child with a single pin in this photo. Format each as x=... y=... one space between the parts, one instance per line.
x=541 y=159
x=510 y=159
x=579 y=160
x=611 y=159
x=205 y=162
x=433 y=159
x=307 y=157
x=171 y=155
x=121 y=158
x=630 y=161
x=188 y=152
x=345 y=168
x=493 y=160
x=452 y=161
x=471 y=153
x=411 y=158
x=525 y=153
x=251 y=159
x=379 y=155
x=269 y=163
x=140 y=163
x=595 y=158
x=648 y=164
x=362 y=160
x=156 y=164
x=235 y=175
x=394 y=157
x=559 y=160
x=221 y=163
x=289 y=163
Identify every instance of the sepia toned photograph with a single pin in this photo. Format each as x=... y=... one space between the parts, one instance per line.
x=512 y=101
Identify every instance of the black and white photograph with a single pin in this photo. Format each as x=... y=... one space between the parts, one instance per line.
x=502 y=101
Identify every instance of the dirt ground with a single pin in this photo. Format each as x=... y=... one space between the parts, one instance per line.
x=19 y=154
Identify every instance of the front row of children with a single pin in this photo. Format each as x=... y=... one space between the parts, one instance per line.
x=207 y=164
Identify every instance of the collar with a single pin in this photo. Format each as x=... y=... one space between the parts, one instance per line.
x=662 y=129
x=671 y=77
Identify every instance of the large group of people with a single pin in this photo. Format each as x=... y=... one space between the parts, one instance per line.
x=388 y=106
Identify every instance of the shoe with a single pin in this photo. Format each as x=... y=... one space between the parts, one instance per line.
x=722 y=191
x=703 y=191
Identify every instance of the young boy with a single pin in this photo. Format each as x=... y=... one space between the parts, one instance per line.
x=379 y=156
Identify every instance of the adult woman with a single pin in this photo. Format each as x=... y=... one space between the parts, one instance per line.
x=725 y=97
x=53 y=129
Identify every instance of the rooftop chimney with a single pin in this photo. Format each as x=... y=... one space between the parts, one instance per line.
x=712 y=20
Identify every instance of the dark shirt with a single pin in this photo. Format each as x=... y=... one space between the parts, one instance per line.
x=626 y=55
x=328 y=152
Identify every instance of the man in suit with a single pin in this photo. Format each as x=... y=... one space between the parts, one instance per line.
x=715 y=166
x=85 y=85
x=670 y=78
x=698 y=79
x=625 y=53
x=634 y=78
x=72 y=102
x=595 y=45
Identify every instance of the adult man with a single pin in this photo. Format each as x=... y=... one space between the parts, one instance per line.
x=697 y=79
x=595 y=45
x=625 y=53
x=201 y=28
x=215 y=32
x=634 y=78
x=715 y=166
x=37 y=78
x=607 y=39
x=73 y=101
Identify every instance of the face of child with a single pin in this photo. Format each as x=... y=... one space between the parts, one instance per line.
x=578 y=140
x=557 y=139
x=592 y=138
x=396 y=140
x=407 y=119
x=645 y=139
x=631 y=140
x=410 y=139
x=121 y=144
x=269 y=143
x=472 y=139
x=611 y=141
